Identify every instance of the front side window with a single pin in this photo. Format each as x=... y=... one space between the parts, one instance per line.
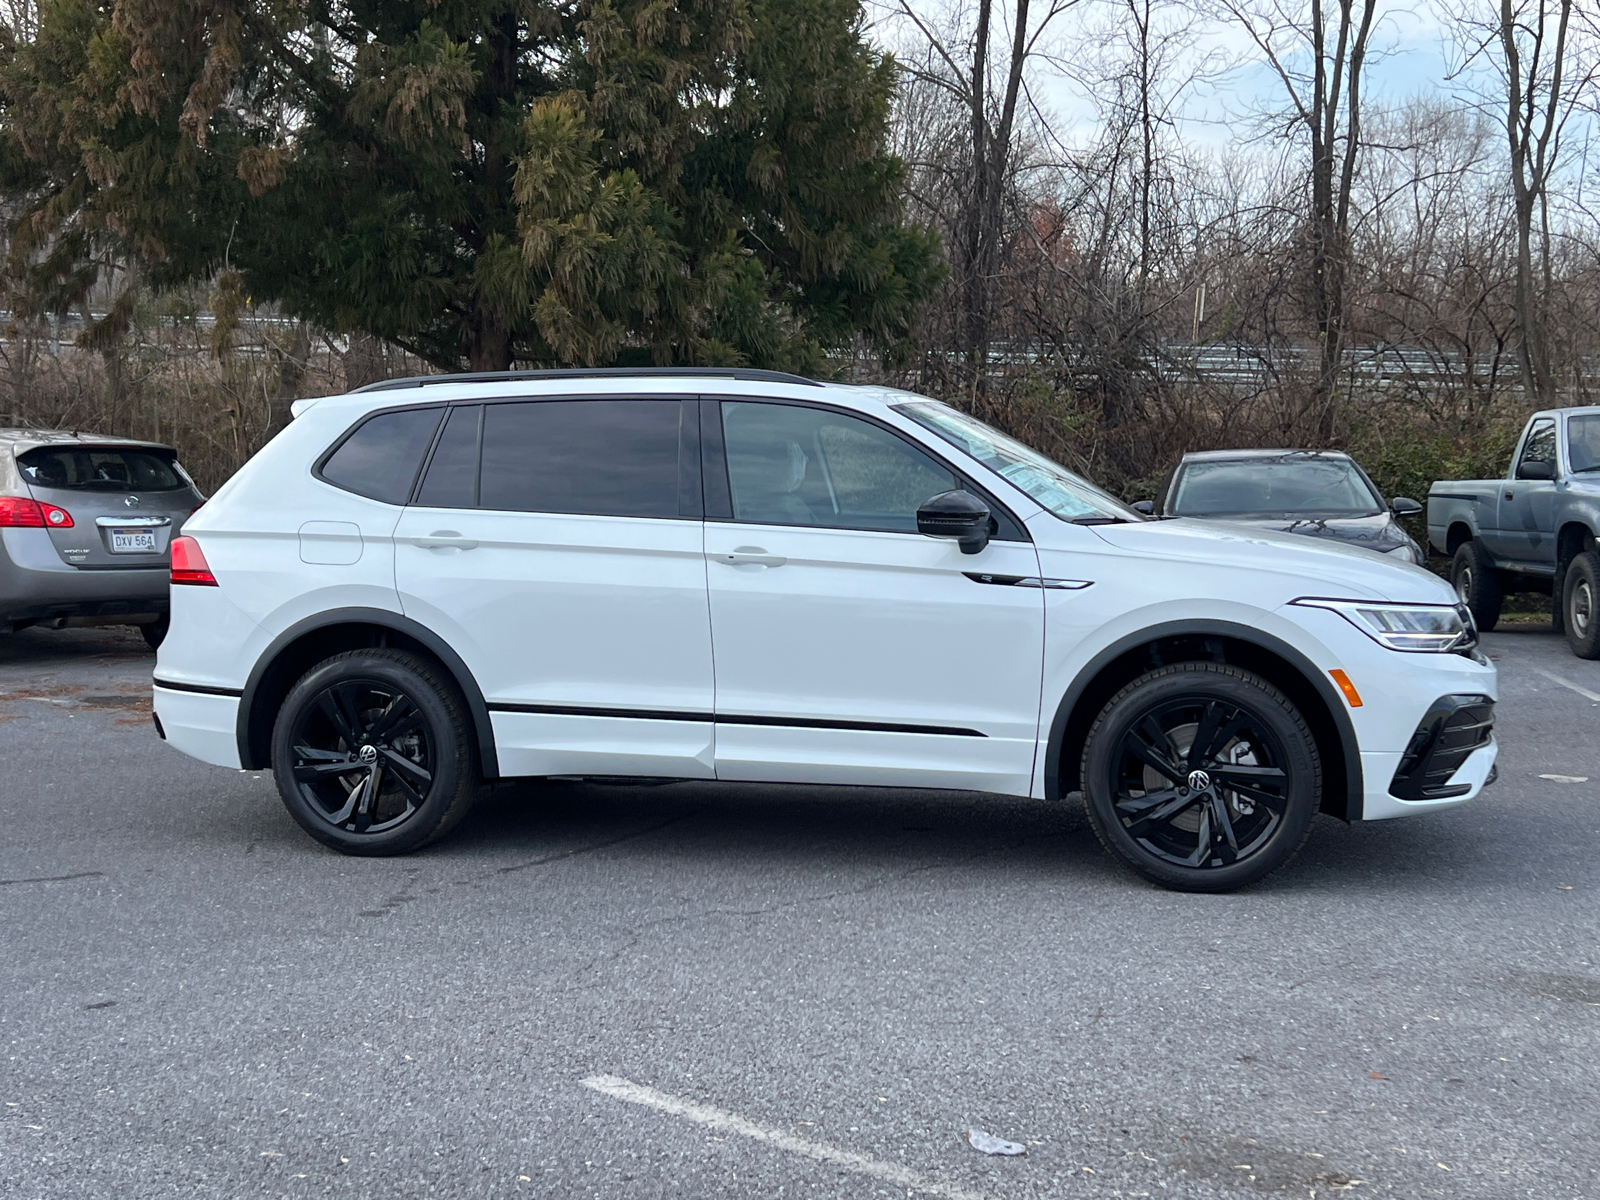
x=85 y=468
x=1540 y=446
x=790 y=465
x=380 y=459
x=1272 y=487
x=1048 y=484
x=597 y=457
x=1583 y=442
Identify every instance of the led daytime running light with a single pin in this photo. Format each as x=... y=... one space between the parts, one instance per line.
x=1411 y=628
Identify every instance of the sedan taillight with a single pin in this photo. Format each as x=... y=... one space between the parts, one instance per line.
x=189 y=565
x=19 y=513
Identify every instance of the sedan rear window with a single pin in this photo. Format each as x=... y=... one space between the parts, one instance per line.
x=88 y=469
x=1273 y=487
x=381 y=457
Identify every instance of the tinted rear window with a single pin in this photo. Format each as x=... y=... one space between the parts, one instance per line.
x=382 y=457
x=83 y=468
x=601 y=457
x=452 y=478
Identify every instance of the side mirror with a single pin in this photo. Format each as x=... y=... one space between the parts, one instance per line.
x=1146 y=507
x=959 y=515
x=1404 y=506
x=1536 y=470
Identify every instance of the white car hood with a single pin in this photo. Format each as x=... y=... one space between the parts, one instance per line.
x=1329 y=569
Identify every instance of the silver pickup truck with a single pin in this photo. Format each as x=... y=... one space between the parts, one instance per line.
x=1532 y=531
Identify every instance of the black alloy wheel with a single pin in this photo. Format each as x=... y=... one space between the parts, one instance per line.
x=372 y=753
x=1202 y=777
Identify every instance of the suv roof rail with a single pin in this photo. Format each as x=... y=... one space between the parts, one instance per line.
x=748 y=373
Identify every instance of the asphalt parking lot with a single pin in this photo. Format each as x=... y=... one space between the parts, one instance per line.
x=734 y=991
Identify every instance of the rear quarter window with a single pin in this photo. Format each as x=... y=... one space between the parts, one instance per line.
x=380 y=457
x=87 y=469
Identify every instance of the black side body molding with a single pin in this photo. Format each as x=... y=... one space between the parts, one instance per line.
x=650 y=714
x=1355 y=790
x=398 y=622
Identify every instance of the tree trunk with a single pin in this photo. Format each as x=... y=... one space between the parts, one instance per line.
x=363 y=362
x=291 y=369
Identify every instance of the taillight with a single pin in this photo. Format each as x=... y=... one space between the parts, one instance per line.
x=19 y=513
x=189 y=565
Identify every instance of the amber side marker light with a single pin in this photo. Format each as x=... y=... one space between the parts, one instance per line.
x=1345 y=686
x=189 y=565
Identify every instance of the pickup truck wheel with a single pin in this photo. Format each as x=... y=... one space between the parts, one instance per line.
x=1478 y=584
x=1201 y=777
x=1580 y=605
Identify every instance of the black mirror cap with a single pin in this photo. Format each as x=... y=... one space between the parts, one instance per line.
x=1404 y=506
x=1536 y=470
x=1146 y=507
x=959 y=515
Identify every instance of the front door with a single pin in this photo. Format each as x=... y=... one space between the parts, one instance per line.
x=849 y=648
x=558 y=546
x=1526 y=524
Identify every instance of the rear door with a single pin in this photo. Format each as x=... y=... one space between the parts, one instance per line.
x=849 y=647
x=124 y=504
x=558 y=546
x=1525 y=528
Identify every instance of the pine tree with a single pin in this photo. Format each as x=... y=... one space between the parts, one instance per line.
x=480 y=181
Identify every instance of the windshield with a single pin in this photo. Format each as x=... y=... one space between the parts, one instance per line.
x=1052 y=486
x=1272 y=487
x=1583 y=442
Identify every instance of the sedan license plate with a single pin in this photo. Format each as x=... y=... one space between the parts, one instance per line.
x=132 y=541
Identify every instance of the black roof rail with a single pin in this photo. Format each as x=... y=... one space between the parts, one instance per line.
x=745 y=373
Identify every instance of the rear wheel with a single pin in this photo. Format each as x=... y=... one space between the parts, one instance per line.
x=373 y=754
x=1580 y=605
x=1202 y=777
x=1477 y=583
x=156 y=632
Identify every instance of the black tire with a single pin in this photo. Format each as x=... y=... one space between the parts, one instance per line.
x=156 y=632
x=1478 y=584
x=1580 y=605
x=1192 y=833
x=379 y=714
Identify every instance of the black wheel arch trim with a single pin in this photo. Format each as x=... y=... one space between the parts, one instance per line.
x=1355 y=789
x=383 y=618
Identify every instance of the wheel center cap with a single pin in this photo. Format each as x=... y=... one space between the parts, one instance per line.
x=369 y=755
x=1199 y=781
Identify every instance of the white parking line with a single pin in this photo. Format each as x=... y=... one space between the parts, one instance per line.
x=716 y=1118
x=1567 y=683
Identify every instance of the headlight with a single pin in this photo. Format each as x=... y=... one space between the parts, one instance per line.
x=1417 y=628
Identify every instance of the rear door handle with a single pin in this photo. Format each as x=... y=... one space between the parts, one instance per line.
x=444 y=539
x=753 y=556
x=1509 y=495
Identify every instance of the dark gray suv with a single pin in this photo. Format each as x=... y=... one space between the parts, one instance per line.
x=85 y=527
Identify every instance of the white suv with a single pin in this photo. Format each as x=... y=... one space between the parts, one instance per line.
x=747 y=575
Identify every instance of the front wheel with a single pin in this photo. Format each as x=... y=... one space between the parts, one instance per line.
x=373 y=753
x=1202 y=777
x=1580 y=605
x=1477 y=583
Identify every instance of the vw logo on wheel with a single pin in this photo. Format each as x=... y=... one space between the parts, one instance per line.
x=1199 y=781
x=369 y=755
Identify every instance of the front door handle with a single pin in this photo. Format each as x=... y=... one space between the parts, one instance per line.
x=1509 y=494
x=444 y=539
x=752 y=556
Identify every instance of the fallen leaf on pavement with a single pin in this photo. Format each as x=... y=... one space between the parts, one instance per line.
x=1376 y=1075
x=987 y=1143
